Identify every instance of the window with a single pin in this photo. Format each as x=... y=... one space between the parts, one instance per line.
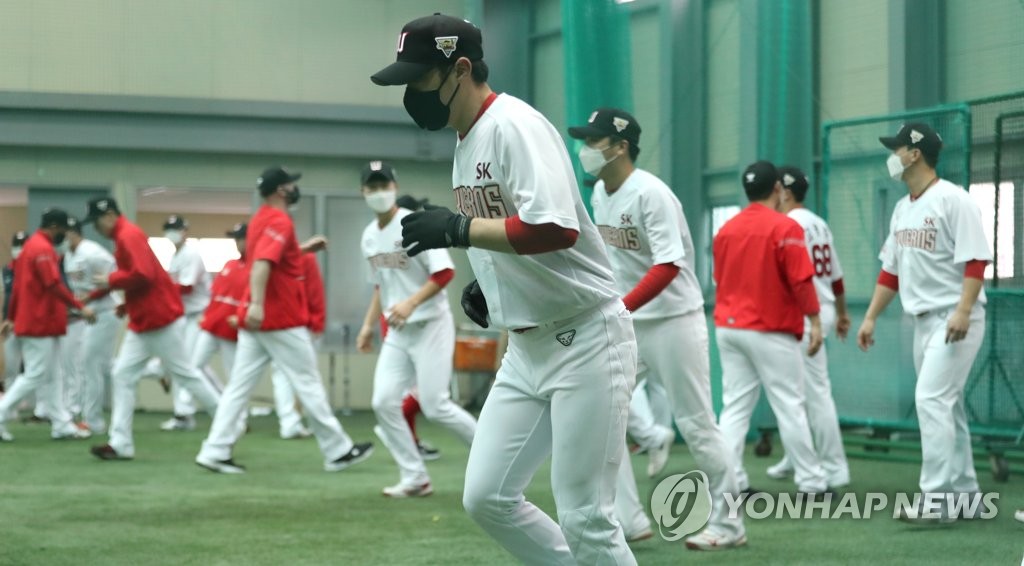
x=984 y=194
x=720 y=215
x=214 y=251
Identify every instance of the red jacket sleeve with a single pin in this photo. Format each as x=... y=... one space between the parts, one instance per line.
x=797 y=269
x=315 y=298
x=49 y=275
x=140 y=272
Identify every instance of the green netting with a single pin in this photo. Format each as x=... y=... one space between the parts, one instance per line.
x=995 y=392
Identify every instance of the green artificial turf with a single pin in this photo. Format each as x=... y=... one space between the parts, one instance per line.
x=59 y=505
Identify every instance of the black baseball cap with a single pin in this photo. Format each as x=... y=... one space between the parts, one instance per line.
x=917 y=135
x=427 y=42
x=100 y=206
x=274 y=177
x=74 y=225
x=795 y=180
x=759 y=177
x=609 y=122
x=376 y=170
x=175 y=222
x=19 y=238
x=410 y=202
x=54 y=217
x=237 y=231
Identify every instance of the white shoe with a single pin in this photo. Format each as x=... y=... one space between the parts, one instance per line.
x=1019 y=515
x=781 y=471
x=220 y=466
x=4 y=435
x=73 y=433
x=402 y=489
x=658 y=455
x=638 y=536
x=710 y=540
x=296 y=433
x=179 y=423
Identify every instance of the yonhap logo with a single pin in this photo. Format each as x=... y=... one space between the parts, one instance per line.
x=681 y=504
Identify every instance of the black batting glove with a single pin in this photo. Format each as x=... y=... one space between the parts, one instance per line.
x=475 y=304
x=434 y=227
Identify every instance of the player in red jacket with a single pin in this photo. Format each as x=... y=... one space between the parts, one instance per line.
x=38 y=313
x=156 y=325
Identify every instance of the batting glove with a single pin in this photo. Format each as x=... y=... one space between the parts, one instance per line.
x=434 y=227
x=475 y=304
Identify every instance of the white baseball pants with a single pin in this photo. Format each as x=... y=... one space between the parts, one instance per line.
x=675 y=353
x=417 y=355
x=942 y=369
x=292 y=351
x=648 y=411
x=41 y=356
x=207 y=345
x=569 y=402
x=184 y=405
x=751 y=359
x=71 y=372
x=96 y=355
x=288 y=418
x=13 y=358
x=166 y=343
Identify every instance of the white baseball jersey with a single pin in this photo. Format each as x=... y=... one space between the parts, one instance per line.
x=399 y=276
x=822 y=251
x=642 y=225
x=187 y=268
x=83 y=264
x=513 y=162
x=930 y=241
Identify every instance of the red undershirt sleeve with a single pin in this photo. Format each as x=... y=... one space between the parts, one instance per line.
x=838 y=288
x=889 y=280
x=443 y=277
x=654 y=282
x=527 y=239
x=975 y=269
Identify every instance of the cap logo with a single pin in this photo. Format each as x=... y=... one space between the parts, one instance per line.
x=447 y=44
x=102 y=205
x=751 y=177
x=916 y=136
x=788 y=179
x=592 y=117
x=401 y=41
x=376 y=165
x=620 y=124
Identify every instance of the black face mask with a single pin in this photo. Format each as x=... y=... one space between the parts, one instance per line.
x=425 y=106
x=292 y=197
x=58 y=238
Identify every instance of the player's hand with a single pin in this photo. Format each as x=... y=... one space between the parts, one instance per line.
x=400 y=313
x=866 y=334
x=816 y=339
x=475 y=304
x=254 y=317
x=120 y=310
x=434 y=227
x=101 y=281
x=843 y=324
x=5 y=328
x=233 y=321
x=314 y=244
x=957 y=326
x=88 y=315
x=364 y=340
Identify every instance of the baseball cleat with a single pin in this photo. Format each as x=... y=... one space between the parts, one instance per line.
x=106 y=452
x=359 y=453
x=296 y=433
x=710 y=540
x=178 y=423
x=645 y=534
x=402 y=489
x=781 y=471
x=658 y=455
x=1019 y=515
x=72 y=434
x=4 y=435
x=427 y=451
x=220 y=466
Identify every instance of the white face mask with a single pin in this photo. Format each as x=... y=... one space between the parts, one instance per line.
x=15 y=252
x=592 y=159
x=380 y=201
x=175 y=236
x=895 y=165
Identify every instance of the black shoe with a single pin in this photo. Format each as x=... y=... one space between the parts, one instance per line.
x=358 y=453
x=427 y=451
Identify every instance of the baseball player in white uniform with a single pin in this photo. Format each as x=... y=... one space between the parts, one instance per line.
x=828 y=283
x=420 y=342
x=188 y=271
x=563 y=388
x=935 y=258
x=12 y=346
x=651 y=251
x=93 y=352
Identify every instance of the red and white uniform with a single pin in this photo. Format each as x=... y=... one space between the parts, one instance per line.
x=643 y=226
x=578 y=354
x=934 y=242
x=417 y=355
x=764 y=291
x=88 y=349
x=188 y=271
x=156 y=328
x=216 y=335
x=283 y=339
x=821 y=408
x=39 y=309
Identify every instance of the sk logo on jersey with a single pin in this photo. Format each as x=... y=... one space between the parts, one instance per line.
x=566 y=337
x=483 y=171
x=929 y=222
x=626 y=219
